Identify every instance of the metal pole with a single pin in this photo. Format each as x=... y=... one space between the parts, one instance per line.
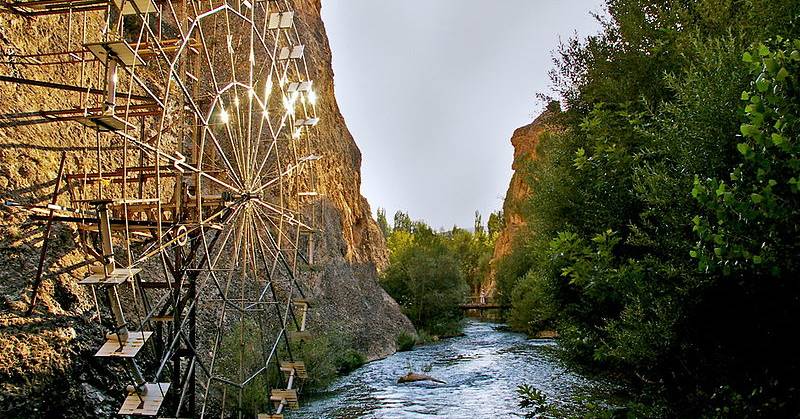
x=120 y=325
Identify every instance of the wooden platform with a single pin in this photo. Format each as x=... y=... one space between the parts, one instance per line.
x=146 y=404
x=145 y=6
x=50 y=7
x=293 y=53
x=287 y=396
x=268 y=416
x=281 y=20
x=302 y=86
x=127 y=349
x=472 y=306
x=119 y=51
x=310 y=122
x=298 y=367
x=117 y=277
x=105 y=123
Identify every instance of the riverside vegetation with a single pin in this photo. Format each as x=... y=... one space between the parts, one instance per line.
x=429 y=276
x=327 y=357
x=430 y=273
x=662 y=236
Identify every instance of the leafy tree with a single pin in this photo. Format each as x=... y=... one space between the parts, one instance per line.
x=478 y=227
x=495 y=224
x=748 y=236
x=431 y=272
x=383 y=223
x=751 y=223
x=402 y=221
x=654 y=163
x=474 y=251
x=425 y=279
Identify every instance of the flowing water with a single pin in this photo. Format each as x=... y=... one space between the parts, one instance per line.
x=482 y=370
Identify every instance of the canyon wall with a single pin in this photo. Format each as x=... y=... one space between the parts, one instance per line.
x=47 y=368
x=525 y=140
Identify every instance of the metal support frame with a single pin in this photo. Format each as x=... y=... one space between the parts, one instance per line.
x=225 y=209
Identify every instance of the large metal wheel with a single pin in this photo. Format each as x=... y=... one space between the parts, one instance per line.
x=195 y=202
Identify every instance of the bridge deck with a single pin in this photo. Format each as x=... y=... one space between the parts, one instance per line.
x=475 y=306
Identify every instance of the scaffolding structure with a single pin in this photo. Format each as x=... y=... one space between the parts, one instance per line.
x=194 y=201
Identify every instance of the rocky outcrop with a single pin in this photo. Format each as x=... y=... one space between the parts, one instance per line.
x=48 y=357
x=340 y=176
x=353 y=247
x=525 y=141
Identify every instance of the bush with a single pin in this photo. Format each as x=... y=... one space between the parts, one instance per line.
x=349 y=360
x=327 y=357
x=319 y=357
x=404 y=342
x=532 y=401
x=243 y=344
x=423 y=337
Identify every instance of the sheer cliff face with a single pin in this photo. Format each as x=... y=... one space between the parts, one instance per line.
x=352 y=247
x=339 y=171
x=46 y=361
x=525 y=140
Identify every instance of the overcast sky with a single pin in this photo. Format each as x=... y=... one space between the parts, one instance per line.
x=433 y=89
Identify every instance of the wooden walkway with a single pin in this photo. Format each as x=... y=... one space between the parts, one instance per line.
x=485 y=306
x=478 y=303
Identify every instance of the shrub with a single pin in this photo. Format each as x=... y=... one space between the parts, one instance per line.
x=243 y=345
x=327 y=357
x=349 y=360
x=405 y=342
x=319 y=357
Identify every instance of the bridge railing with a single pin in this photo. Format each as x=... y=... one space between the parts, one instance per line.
x=477 y=299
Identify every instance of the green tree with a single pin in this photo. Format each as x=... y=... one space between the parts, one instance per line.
x=383 y=223
x=425 y=279
x=478 y=226
x=652 y=102
x=495 y=224
x=473 y=252
x=402 y=221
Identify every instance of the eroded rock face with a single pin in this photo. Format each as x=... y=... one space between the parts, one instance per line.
x=352 y=300
x=47 y=368
x=525 y=140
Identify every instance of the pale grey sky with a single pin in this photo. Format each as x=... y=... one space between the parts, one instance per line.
x=433 y=89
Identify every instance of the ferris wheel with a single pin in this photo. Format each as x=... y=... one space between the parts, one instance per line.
x=194 y=196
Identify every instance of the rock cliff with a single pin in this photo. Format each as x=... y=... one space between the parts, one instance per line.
x=46 y=363
x=525 y=140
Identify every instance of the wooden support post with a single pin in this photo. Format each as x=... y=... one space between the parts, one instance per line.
x=104 y=227
x=311 y=249
x=38 y=281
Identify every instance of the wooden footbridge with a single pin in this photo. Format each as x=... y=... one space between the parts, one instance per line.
x=192 y=193
x=482 y=304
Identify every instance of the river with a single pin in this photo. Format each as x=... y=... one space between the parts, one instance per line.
x=482 y=370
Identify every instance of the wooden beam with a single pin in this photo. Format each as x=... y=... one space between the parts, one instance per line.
x=67 y=87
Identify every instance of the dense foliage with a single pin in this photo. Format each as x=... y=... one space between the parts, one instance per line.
x=662 y=236
x=431 y=273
